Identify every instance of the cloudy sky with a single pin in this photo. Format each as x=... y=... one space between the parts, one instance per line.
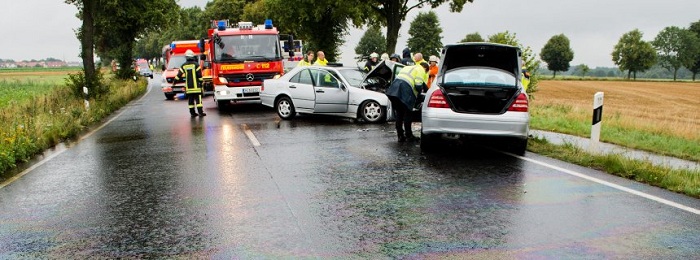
x=592 y=26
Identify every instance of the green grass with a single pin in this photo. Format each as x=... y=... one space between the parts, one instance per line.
x=37 y=116
x=677 y=180
x=562 y=119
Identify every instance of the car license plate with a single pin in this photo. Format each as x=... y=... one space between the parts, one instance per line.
x=177 y=89
x=251 y=90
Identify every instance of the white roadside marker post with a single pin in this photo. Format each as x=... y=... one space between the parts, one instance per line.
x=597 y=118
x=87 y=102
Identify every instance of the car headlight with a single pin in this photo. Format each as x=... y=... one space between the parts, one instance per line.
x=223 y=80
x=222 y=92
x=277 y=76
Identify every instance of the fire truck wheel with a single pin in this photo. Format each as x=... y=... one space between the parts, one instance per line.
x=221 y=104
x=169 y=96
x=285 y=108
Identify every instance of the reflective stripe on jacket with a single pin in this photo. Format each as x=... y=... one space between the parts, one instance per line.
x=192 y=73
x=414 y=75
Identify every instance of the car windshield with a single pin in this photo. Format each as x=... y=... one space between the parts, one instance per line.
x=353 y=76
x=176 y=61
x=479 y=76
x=247 y=47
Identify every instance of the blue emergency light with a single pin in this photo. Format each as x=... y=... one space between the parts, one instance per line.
x=221 y=25
x=172 y=46
x=268 y=23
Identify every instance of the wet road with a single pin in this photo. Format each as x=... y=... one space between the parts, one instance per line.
x=240 y=183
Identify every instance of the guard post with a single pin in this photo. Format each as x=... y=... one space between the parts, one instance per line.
x=87 y=98
x=596 y=123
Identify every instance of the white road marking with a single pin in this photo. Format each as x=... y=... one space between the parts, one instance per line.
x=612 y=185
x=250 y=135
x=57 y=153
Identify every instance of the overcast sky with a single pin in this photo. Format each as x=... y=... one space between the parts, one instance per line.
x=592 y=26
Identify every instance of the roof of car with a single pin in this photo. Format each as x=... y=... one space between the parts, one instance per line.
x=479 y=43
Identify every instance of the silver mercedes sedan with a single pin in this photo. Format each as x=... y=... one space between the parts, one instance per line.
x=477 y=93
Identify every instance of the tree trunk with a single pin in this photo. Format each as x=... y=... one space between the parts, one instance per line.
x=635 y=75
x=87 y=43
x=629 y=74
x=554 y=75
x=675 y=72
x=393 y=26
x=694 y=76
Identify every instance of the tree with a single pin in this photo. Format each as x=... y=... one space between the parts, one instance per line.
x=694 y=66
x=392 y=12
x=473 y=37
x=583 y=69
x=371 y=41
x=529 y=61
x=676 y=47
x=557 y=54
x=425 y=34
x=86 y=34
x=224 y=9
x=632 y=54
x=321 y=24
x=189 y=24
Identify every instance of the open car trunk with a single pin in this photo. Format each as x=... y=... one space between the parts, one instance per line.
x=480 y=77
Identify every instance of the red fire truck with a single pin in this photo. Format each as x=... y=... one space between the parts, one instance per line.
x=240 y=58
x=174 y=57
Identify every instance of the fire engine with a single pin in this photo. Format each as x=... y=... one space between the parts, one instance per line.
x=241 y=57
x=174 y=57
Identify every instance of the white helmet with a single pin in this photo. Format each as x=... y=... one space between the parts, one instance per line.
x=374 y=55
x=433 y=58
x=189 y=54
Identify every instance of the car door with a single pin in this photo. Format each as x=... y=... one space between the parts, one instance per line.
x=331 y=95
x=301 y=90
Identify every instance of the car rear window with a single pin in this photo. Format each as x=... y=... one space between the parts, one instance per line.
x=479 y=76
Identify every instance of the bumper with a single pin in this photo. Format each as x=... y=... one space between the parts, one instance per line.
x=446 y=121
x=169 y=89
x=247 y=93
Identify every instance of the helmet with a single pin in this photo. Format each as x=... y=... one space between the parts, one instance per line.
x=433 y=58
x=374 y=55
x=189 y=54
x=395 y=56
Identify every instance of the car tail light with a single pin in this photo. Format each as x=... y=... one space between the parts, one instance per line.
x=520 y=104
x=437 y=100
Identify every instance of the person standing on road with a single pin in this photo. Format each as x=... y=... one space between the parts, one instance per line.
x=308 y=59
x=192 y=73
x=403 y=93
x=418 y=58
x=371 y=62
x=433 y=61
x=525 y=80
x=321 y=59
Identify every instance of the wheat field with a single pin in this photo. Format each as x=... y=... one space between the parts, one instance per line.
x=659 y=107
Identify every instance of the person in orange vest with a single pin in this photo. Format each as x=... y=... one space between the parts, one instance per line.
x=192 y=73
x=433 y=70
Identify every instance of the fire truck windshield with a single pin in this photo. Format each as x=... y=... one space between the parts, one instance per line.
x=247 y=48
x=176 y=61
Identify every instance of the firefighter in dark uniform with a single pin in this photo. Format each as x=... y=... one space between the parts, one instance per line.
x=192 y=73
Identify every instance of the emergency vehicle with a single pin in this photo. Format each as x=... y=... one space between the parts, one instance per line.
x=174 y=57
x=241 y=58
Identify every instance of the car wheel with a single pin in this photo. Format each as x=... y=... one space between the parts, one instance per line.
x=285 y=108
x=518 y=147
x=169 y=96
x=372 y=112
x=429 y=142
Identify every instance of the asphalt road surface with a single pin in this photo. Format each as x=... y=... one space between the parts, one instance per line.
x=240 y=183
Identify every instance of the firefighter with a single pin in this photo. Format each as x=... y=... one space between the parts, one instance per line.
x=321 y=59
x=406 y=57
x=371 y=62
x=433 y=61
x=403 y=94
x=308 y=59
x=525 y=80
x=395 y=58
x=192 y=73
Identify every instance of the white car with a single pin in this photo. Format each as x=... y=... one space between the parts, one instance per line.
x=338 y=91
x=477 y=93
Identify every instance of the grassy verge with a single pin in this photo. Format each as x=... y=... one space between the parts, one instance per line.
x=677 y=180
x=37 y=116
x=617 y=130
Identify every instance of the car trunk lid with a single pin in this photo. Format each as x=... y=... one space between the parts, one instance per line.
x=480 y=78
